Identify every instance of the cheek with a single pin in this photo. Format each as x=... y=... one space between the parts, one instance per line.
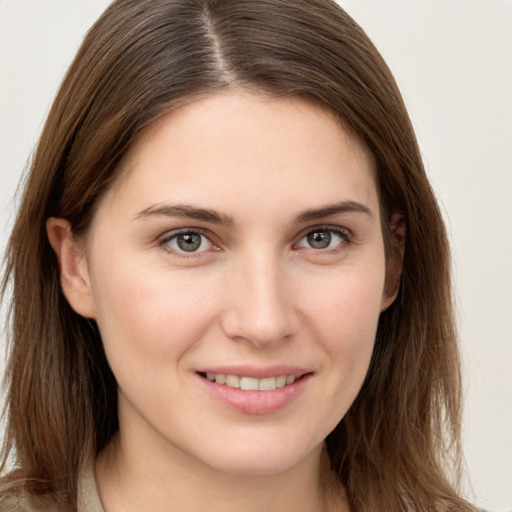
x=344 y=318
x=346 y=304
x=148 y=317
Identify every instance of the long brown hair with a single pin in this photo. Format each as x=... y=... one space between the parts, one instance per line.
x=140 y=60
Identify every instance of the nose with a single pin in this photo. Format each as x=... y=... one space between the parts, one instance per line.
x=260 y=306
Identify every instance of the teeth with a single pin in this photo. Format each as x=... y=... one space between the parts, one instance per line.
x=232 y=381
x=290 y=379
x=250 y=383
x=267 y=384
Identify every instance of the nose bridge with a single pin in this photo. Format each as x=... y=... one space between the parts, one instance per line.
x=260 y=308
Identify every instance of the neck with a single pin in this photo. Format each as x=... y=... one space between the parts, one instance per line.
x=130 y=480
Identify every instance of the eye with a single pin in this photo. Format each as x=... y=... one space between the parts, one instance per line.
x=324 y=238
x=187 y=242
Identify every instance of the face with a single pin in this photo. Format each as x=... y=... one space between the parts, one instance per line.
x=236 y=272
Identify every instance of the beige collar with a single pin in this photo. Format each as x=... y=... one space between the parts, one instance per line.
x=88 y=495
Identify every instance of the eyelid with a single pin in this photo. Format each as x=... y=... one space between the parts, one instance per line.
x=173 y=233
x=345 y=233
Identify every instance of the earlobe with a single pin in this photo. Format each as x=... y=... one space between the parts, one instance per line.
x=395 y=261
x=74 y=271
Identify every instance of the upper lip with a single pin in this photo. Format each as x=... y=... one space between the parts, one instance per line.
x=256 y=372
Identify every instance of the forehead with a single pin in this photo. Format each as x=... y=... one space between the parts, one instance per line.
x=249 y=147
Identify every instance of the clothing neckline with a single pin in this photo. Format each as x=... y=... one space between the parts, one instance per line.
x=88 y=494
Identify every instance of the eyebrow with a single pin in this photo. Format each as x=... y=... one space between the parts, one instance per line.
x=214 y=217
x=186 y=211
x=334 y=209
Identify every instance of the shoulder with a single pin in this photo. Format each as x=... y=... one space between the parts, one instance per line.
x=11 y=502
x=17 y=499
x=25 y=503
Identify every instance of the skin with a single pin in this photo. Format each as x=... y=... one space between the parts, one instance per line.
x=256 y=293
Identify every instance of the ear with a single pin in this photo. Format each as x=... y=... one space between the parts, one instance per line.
x=74 y=271
x=397 y=228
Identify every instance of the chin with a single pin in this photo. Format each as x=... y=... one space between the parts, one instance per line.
x=258 y=460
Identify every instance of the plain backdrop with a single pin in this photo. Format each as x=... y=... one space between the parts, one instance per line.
x=453 y=62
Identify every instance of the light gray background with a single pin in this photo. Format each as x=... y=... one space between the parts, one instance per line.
x=453 y=62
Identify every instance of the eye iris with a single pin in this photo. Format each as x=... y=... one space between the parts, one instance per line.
x=319 y=239
x=189 y=242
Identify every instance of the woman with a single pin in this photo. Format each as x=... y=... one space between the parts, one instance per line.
x=230 y=275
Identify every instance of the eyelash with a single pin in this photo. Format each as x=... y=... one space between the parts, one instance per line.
x=168 y=237
x=345 y=235
x=346 y=239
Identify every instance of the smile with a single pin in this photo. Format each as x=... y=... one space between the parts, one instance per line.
x=251 y=383
x=253 y=390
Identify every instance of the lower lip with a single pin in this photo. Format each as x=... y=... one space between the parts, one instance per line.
x=256 y=402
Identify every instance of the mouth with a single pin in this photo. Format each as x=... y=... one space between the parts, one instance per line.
x=255 y=391
x=246 y=383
